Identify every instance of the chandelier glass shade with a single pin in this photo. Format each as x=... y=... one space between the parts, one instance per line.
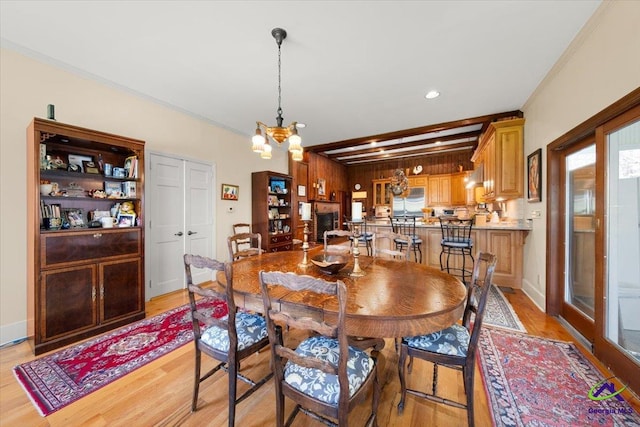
x=264 y=134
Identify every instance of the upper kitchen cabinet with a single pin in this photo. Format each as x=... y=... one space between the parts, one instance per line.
x=501 y=151
x=439 y=190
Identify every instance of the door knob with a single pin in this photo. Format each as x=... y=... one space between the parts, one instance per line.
x=179 y=233
x=191 y=232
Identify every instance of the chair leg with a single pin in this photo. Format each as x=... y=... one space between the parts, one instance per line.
x=233 y=388
x=279 y=403
x=376 y=398
x=434 y=384
x=468 y=391
x=196 y=385
x=403 y=384
x=441 y=264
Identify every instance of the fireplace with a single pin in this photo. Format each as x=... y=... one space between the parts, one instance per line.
x=325 y=222
x=327 y=217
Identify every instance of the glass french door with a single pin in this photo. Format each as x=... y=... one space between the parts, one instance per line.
x=617 y=319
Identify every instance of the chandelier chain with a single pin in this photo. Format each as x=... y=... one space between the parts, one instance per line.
x=279 y=81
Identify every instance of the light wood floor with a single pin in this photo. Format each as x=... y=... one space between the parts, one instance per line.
x=160 y=393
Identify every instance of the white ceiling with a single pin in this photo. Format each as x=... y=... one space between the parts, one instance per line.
x=350 y=69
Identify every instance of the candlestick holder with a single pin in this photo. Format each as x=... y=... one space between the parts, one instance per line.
x=305 y=245
x=357 y=271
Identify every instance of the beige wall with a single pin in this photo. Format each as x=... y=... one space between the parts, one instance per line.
x=599 y=67
x=28 y=85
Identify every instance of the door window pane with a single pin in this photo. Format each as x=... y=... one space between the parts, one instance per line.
x=580 y=229
x=622 y=322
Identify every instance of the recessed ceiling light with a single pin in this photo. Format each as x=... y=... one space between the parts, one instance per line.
x=373 y=143
x=432 y=94
x=438 y=142
x=301 y=125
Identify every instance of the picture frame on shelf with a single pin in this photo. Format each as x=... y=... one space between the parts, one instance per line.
x=113 y=189
x=77 y=159
x=534 y=176
x=126 y=220
x=230 y=192
x=74 y=217
x=90 y=167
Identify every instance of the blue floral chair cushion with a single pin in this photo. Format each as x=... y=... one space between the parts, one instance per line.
x=320 y=385
x=250 y=328
x=453 y=341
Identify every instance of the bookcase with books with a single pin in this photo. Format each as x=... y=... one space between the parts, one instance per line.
x=271 y=210
x=85 y=213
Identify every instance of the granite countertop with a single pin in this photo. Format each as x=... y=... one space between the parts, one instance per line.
x=505 y=225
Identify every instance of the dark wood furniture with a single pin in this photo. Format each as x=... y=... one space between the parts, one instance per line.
x=81 y=281
x=223 y=344
x=295 y=368
x=392 y=299
x=271 y=212
x=464 y=338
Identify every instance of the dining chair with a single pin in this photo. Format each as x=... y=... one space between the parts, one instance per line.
x=454 y=347
x=323 y=375
x=235 y=243
x=456 y=240
x=384 y=243
x=242 y=227
x=406 y=225
x=339 y=247
x=228 y=340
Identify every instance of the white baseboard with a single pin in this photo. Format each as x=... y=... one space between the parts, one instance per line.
x=13 y=332
x=534 y=295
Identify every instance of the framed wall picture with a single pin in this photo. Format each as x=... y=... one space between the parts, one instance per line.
x=534 y=176
x=302 y=191
x=322 y=187
x=230 y=192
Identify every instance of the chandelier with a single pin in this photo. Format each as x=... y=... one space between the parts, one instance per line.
x=278 y=133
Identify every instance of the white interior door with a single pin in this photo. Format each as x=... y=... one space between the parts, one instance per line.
x=180 y=220
x=199 y=214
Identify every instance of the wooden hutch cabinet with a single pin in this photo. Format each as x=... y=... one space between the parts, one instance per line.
x=82 y=279
x=271 y=212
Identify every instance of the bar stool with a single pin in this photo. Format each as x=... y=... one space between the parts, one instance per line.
x=456 y=240
x=406 y=225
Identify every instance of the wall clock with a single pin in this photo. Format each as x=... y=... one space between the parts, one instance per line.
x=357 y=187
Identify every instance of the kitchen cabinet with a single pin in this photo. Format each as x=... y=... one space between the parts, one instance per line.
x=82 y=279
x=501 y=151
x=460 y=195
x=381 y=193
x=271 y=213
x=439 y=190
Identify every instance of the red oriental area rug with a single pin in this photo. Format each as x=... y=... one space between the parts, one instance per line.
x=61 y=378
x=534 y=381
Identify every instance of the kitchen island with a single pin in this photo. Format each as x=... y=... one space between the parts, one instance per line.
x=505 y=240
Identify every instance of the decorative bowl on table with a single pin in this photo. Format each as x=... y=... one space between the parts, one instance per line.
x=330 y=264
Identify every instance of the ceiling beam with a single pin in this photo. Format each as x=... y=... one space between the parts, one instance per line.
x=374 y=149
x=412 y=132
x=389 y=154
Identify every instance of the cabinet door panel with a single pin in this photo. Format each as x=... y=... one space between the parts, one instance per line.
x=120 y=292
x=61 y=248
x=67 y=301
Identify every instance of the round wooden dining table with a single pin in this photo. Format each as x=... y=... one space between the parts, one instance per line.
x=392 y=299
